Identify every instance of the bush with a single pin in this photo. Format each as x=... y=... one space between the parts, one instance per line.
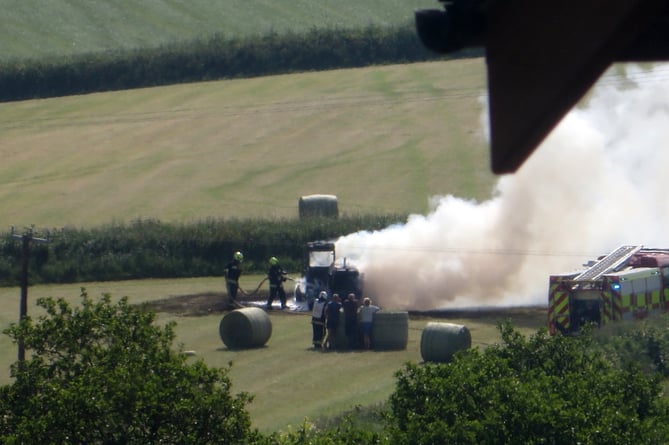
x=644 y=343
x=103 y=373
x=545 y=390
x=347 y=432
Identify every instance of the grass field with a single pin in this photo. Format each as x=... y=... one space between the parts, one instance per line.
x=37 y=29
x=383 y=139
x=290 y=381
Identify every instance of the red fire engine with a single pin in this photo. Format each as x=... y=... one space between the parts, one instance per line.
x=630 y=282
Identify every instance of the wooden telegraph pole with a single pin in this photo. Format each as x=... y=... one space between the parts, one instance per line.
x=26 y=239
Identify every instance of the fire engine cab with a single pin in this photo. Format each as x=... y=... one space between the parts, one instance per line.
x=629 y=283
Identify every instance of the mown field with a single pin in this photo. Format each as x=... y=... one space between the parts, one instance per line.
x=59 y=28
x=383 y=139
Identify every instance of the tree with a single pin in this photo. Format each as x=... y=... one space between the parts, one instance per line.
x=104 y=373
x=541 y=390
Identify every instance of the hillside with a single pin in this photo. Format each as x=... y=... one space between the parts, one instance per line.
x=57 y=28
x=384 y=139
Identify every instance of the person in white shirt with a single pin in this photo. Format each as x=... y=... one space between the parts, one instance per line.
x=366 y=317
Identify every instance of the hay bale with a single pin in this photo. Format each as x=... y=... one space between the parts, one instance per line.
x=318 y=205
x=440 y=341
x=249 y=327
x=390 y=330
x=341 y=341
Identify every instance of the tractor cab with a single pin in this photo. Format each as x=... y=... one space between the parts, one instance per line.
x=323 y=272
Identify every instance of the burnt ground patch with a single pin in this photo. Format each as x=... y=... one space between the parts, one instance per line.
x=201 y=304
x=216 y=302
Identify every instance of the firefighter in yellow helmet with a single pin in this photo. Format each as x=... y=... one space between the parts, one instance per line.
x=233 y=271
x=276 y=276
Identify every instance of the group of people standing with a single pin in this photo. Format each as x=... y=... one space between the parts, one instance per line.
x=326 y=313
x=325 y=321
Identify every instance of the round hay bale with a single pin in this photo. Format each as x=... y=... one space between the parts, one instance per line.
x=340 y=338
x=440 y=341
x=249 y=327
x=318 y=205
x=390 y=330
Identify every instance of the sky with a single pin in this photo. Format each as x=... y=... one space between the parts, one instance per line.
x=597 y=182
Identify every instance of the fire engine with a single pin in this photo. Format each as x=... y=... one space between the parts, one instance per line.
x=629 y=283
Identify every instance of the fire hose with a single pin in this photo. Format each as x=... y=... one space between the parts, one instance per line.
x=255 y=292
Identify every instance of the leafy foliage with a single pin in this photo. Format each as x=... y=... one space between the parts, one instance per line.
x=348 y=432
x=644 y=343
x=103 y=373
x=541 y=390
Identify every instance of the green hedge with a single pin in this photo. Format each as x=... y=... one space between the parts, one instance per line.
x=536 y=390
x=153 y=249
x=215 y=58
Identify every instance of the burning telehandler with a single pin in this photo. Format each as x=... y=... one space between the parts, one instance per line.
x=322 y=271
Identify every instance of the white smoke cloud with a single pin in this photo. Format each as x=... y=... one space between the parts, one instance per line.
x=597 y=182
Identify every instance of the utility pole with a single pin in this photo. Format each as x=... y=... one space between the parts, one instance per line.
x=26 y=239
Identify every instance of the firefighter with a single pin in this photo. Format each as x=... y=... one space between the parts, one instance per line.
x=318 y=320
x=233 y=271
x=276 y=276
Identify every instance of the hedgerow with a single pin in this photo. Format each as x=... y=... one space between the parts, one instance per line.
x=541 y=390
x=154 y=249
x=216 y=57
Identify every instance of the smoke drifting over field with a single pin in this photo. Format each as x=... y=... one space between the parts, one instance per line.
x=599 y=181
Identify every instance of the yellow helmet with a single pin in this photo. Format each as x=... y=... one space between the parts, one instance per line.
x=274 y=261
x=238 y=256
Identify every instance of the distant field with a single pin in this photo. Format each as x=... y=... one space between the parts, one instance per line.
x=54 y=28
x=383 y=139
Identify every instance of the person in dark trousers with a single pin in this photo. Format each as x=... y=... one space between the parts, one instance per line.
x=318 y=320
x=332 y=320
x=350 y=306
x=233 y=271
x=276 y=276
